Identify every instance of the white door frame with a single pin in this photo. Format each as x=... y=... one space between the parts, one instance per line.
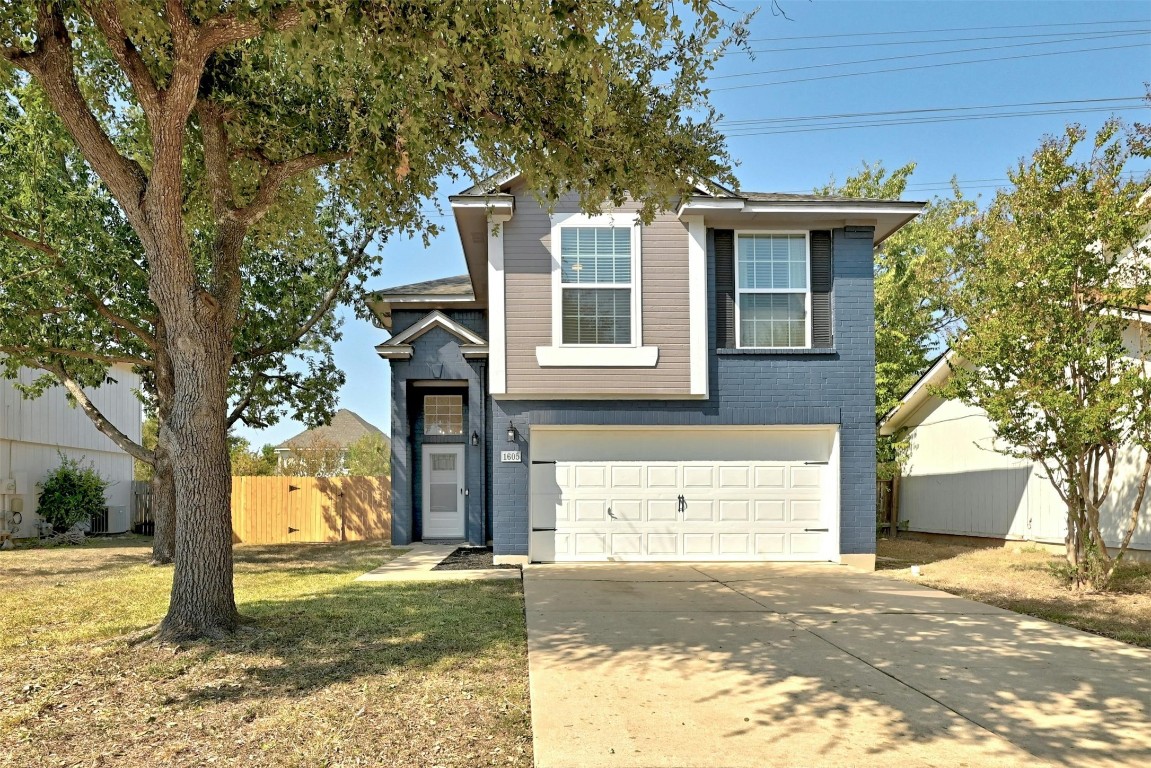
x=425 y=466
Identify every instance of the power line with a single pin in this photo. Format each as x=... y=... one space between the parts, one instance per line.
x=820 y=127
x=874 y=44
x=928 y=66
x=952 y=29
x=1107 y=36
x=768 y=120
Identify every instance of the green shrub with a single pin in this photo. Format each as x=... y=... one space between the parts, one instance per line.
x=71 y=494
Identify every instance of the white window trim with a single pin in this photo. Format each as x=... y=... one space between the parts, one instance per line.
x=632 y=355
x=740 y=290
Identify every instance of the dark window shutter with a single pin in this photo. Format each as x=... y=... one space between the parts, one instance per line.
x=821 y=288
x=723 y=247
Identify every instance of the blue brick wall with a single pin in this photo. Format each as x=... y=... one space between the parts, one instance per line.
x=436 y=357
x=828 y=387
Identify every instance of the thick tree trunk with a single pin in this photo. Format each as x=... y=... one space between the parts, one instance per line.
x=202 y=602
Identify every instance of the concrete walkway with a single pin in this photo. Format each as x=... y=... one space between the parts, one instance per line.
x=738 y=665
x=417 y=563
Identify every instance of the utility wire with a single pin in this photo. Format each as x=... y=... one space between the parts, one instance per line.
x=876 y=44
x=820 y=127
x=844 y=115
x=1107 y=36
x=952 y=29
x=927 y=66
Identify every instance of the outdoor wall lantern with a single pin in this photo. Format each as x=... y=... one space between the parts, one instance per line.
x=475 y=438
x=511 y=432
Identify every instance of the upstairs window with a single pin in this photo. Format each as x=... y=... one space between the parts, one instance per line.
x=443 y=414
x=773 y=294
x=596 y=285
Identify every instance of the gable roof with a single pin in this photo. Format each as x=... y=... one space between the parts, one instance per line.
x=399 y=347
x=935 y=375
x=345 y=428
x=457 y=285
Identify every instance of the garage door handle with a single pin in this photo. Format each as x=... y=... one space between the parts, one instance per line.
x=815 y=530
x=542 y=530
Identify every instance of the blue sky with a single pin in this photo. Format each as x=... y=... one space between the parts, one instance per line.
x=1006 y=48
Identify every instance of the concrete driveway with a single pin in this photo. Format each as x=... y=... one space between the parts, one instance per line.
x=761 y=665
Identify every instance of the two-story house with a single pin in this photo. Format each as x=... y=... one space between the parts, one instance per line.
x=597 y=389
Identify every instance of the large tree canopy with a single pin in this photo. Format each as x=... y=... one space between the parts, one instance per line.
x=1046 y=281
x=220 y=130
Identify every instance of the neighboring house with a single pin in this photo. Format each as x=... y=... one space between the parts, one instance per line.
x=346 y=428
x=698 y=388
x=34 y=432
x=954 y=482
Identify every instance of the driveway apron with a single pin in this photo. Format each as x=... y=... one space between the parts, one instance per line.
x=784 y=665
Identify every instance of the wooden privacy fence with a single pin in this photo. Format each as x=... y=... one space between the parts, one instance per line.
x=278 y=510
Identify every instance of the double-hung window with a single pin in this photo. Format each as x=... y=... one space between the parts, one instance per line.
x=773 y=290
x=596 y=285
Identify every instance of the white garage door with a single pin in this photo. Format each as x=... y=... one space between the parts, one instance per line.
x=636 y=495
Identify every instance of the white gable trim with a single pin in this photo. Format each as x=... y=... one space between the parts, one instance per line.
x=399 y=347
x=435 y=319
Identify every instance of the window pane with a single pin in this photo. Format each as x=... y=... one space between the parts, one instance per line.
x=596 y=315
x=595 y=255
x=773 y=262
x=772 y=320
x=443 y=414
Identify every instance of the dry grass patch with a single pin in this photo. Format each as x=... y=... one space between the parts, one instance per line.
x=1022 y=579
x=328 y=672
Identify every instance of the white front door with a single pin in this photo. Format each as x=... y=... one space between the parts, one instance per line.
x=443 y=507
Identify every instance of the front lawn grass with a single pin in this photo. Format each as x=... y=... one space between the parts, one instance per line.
x=1021 y=578
x=327 y=672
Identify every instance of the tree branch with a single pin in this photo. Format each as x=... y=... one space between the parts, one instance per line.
x=107 y=19
x=127 y=444
x=51 y=63
x=97 y=303
x=277 y=174
x=222 y=31
x=321 y=309
x=215 y=139
x=242 y=405
x=76 y=354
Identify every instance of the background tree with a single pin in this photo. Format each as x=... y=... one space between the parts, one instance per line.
x=218 y=126
x=370 y=456
x=1046 y=350
x=911 y=269
x=245 y=461
x=320 y=458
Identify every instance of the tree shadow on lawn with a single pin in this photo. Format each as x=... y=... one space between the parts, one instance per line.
x=294 y=647
x=334 y=557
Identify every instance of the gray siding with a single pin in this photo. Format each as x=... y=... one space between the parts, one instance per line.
x=833 y=386
x=528 y=284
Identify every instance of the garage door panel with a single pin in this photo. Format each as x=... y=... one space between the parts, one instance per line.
x=806 y=543
x=734 y=544
x=629 y=510
x=626 y=476
x=590 y=510
x=698 y=544
x=698 y=477
x=666 y=476
x=625 y=544
x=770 y=510
x=663 y=544
x=806 y=477
x=806 y=510
x=735 y=476
x=590 y=476
x=662 y=510
x=699 y=511
x=769 y=477
x=590 y=544
x=770 y=544
x=734 y=510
